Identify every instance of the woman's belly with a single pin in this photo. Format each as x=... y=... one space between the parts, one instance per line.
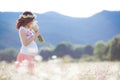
x=30 y=49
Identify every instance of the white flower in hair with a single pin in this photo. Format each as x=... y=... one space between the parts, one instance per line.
x=27 y=16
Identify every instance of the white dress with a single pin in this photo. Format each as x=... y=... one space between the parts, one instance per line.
x=32 y=47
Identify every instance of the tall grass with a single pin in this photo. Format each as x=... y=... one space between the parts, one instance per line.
x=59 y=70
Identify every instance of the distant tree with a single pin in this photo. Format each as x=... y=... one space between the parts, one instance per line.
x=62 y=49
x=88 y=49
x=77 y=52
x=100 y=50
x=8 y=54
x=46 y=52
x=114 y=48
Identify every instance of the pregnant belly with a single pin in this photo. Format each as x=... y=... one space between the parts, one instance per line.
x=32 y=48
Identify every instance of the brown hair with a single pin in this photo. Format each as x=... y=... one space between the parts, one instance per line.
x=23 y=21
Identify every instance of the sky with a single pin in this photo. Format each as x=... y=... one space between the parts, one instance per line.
x=73 y=8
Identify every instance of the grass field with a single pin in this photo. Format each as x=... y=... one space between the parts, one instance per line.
x=59 y=70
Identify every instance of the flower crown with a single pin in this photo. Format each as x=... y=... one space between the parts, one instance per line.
x=27 y=16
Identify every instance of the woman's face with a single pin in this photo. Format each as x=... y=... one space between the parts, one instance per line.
x=29 y=24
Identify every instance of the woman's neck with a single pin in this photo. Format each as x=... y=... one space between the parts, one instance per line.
x=26 y=26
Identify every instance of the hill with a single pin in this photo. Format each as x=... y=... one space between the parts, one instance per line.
x=56 y=28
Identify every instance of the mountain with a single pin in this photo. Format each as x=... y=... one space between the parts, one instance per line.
x=56 y=28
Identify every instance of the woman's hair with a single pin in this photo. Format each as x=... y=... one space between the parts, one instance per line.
x=24 y=19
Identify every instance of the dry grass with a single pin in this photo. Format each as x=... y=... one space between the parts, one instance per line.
x=58 y=70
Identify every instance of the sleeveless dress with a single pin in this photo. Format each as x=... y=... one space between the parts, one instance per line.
x=26 y=54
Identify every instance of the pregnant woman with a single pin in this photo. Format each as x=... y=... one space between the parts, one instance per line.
x=28 y=45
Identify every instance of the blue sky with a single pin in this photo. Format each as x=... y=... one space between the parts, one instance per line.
x=74 y=8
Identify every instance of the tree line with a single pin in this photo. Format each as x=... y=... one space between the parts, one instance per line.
x=100 y=51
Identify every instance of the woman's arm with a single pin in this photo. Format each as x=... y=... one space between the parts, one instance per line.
x=24 y=37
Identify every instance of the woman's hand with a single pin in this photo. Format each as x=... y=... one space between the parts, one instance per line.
x=36 y=34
